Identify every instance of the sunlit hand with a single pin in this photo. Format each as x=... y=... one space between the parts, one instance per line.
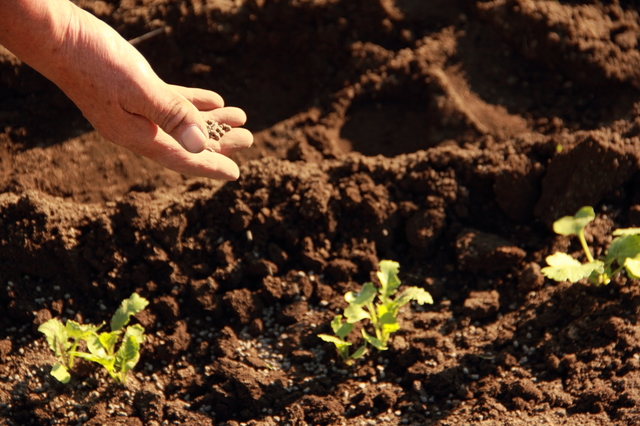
x=118 y=92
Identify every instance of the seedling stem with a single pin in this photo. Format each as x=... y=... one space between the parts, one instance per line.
x=585 y=247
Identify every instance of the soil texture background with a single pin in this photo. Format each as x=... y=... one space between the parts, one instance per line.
x=445 y=135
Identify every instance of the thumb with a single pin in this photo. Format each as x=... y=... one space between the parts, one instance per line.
x=178 y=117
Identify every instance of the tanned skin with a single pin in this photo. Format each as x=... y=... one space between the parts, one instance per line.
x=118 y=92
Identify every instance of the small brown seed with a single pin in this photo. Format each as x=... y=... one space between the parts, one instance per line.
x=217 y=130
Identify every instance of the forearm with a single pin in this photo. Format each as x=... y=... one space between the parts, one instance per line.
x=70 y=47
x=116 y=89
x=34 y=30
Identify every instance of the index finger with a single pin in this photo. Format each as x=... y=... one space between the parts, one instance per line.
x=204 y=100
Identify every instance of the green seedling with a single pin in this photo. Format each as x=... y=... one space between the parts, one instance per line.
x=382 y=313
x=64 y=340
x=102 y=347
x=624 y=253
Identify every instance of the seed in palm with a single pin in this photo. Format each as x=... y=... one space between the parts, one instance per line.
x=217 y=130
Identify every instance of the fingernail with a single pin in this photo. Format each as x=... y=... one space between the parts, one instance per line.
x=193 y=139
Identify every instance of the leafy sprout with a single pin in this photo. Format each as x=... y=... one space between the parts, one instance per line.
x=382 y=314
x=64 y=340
x=624 y=253
x=574 y=225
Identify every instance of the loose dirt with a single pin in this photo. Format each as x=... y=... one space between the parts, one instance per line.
x=445 y=135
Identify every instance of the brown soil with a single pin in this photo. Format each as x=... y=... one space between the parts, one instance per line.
x=424 y=132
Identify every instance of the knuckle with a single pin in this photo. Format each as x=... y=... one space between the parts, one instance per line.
x=174 y=116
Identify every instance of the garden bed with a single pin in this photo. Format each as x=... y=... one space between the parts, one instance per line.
x=444 y=135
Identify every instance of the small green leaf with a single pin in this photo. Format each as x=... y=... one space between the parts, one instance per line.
x=626 y=231
x=94 y=345
x=633 y=267
x=56 y=335
x=621 y=248
x=74 y=329
x=355 y=313
x=128 y=307
x=335 y=340
x=106 y=361
x=383 y=308
x=359 y=352
x=336 y=323
x=129 y=353
x=389 y=323
x=418 y=294
x=366 y=295
x=350 y=296
x=563 y=267
x=572 y=225
x=109 y=340
x=342 y=347
x=374 y=341
x=137 y=331
x=388 y=276
x=61 y=373
x=77 y=331
x=341 y=328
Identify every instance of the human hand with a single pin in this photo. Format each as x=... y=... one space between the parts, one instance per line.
x=118 y=92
